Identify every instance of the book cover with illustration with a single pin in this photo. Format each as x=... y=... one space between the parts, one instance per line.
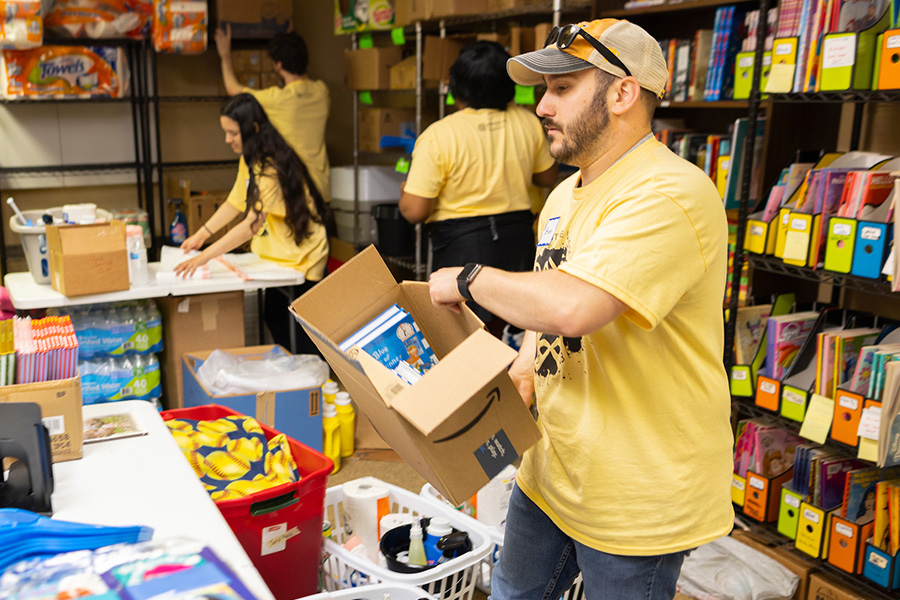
x=396 y=341
x=860 y=492
x=110 y=427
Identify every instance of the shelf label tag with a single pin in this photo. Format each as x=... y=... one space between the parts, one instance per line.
x=397 y=36
x=365 y=41
x=525 y=94
x=366 y=98
x=402 y=165
x=792 y=500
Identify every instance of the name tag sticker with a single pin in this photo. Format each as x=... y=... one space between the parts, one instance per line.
x=549 y=230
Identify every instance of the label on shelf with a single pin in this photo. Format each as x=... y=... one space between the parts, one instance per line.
x=792 y=500
x=848 y=402
x=839 y=52
x=878 y=560
x=756 y=482
x=841 y=229
x=843 y=529
x=811 y=515
x=794 y=398
x=739 y=375
x=738 y=484
x=767 y=387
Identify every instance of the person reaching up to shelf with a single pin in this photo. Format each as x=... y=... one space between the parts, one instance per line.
x=283 y=216
x=471 y=171
x=298 y=110
x=624 y=335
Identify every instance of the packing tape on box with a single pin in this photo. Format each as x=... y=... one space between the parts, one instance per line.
x=365 y=503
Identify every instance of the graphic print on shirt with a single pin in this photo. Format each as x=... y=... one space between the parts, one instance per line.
x=552 y=350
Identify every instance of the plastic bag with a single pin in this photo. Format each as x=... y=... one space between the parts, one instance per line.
x=21 y=25
x=726 y=569
x=224 y=374
x=180 y=27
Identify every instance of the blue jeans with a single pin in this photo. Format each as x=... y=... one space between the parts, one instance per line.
x=540 y=562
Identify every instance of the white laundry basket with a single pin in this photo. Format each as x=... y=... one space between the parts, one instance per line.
x=452 y=580
x=486 y=568
x=378 y=591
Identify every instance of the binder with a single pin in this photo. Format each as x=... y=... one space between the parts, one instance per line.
x=889 y=66
x=839 y=244
x=784 y=62
x=869 y=248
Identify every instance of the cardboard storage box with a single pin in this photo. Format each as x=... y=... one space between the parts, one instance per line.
x=801 y=566
x=60 y=403
x=255 y=18
x=88 y=259
x=200 y=207
x=438 y=55
x=823 y=587
x=464 y=420
x=247 y=61
x=295 y=412
x=192 y=324
x=369 y=68
x=376 y=122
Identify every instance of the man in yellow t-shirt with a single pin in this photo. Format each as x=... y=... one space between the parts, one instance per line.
x=471 y=171
x=299 y=110
x=624 y=342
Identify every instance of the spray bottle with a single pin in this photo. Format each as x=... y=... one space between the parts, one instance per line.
x=178 y=230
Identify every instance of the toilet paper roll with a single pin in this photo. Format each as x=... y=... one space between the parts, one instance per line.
x=366 y=501
x=394 y=520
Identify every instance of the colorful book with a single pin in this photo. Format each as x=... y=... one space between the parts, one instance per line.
x=785 y=335
x=749 y=328
x=859 y=492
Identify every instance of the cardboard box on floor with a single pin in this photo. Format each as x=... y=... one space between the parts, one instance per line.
x=295 y=412
x=255 y=18
x=802 y=566
x=464 y=420
x=192 y=324
x=88 y=259
x=823 y=587
x=60 y=403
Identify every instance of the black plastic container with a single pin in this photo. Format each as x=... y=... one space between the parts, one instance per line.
x=396 y=235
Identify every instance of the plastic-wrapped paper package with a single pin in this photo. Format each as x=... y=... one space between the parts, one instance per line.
x=100 y=19
x=64 y=72
x=21 y=25
x=180 y=27
x=224 y=374
x=726 y=569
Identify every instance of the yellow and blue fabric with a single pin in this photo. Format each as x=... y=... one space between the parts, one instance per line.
x=232 y=456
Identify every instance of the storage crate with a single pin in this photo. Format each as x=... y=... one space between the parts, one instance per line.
x=485 y=569
x=279 y=528
x=452 y=580
x=379 y=591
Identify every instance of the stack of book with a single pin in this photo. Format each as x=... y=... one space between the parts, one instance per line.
x=395 y=340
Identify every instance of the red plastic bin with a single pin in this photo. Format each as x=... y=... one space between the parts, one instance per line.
x=293 y=509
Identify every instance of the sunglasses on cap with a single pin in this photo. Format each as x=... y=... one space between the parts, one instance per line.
x=565 y=35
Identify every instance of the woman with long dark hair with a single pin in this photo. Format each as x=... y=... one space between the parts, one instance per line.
x=284 y=214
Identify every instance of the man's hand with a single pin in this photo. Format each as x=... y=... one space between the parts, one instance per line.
x=223 y=42
x=443 y=288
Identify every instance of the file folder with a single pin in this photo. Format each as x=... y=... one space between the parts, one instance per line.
x=889 y=66
x=869 y=249
x=784 y=62
x=839 y=244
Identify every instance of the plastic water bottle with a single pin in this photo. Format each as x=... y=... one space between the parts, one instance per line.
x=90 y=382
x=107 y=371
x=137 y=256
x=347 y=419
x=332 y=435
x=154 y=327
x=141 y=336
x=152 y=376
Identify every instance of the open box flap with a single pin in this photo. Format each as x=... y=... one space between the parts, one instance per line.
x=453 y=382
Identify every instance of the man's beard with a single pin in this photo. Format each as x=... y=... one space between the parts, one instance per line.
x=584 y=135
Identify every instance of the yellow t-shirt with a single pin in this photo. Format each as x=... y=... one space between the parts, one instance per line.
x=274 y=240
x=479 y=162
x=298 y=111
x=635 y=457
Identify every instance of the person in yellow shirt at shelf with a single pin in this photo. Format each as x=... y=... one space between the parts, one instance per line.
x=471 y=171
x=283 y=217
x=298 y=110
x=624 y=336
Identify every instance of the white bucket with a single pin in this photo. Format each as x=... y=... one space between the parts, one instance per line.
x=34 y=240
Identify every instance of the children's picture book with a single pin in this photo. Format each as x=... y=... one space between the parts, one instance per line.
x=833 y=477
x=110 y=427
x=395 y=340
x=860 y=492
x=881 y=531
x=785 y=336
x=749 y=329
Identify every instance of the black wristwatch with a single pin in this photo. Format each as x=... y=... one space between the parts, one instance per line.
x=465 y=277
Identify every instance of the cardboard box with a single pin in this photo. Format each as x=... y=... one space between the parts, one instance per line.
x=521 y=40
x=457 y=8
x=200 y=207
x=247 y=61
x=438 y=54
x=411 y=11
x=270 y=79
x=541 y=31
x=823 y=587
x=255 y=18
x=369 y=68
x=464 y=420
x=88 y=259
x=376 y=122
x=403 y=74
x=60 y=403
x=351 y=16
x=295 y=412
x=796 y=563
x=252 y=79
x=192 y=324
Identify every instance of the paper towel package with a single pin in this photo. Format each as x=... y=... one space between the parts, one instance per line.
x=459 y=425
